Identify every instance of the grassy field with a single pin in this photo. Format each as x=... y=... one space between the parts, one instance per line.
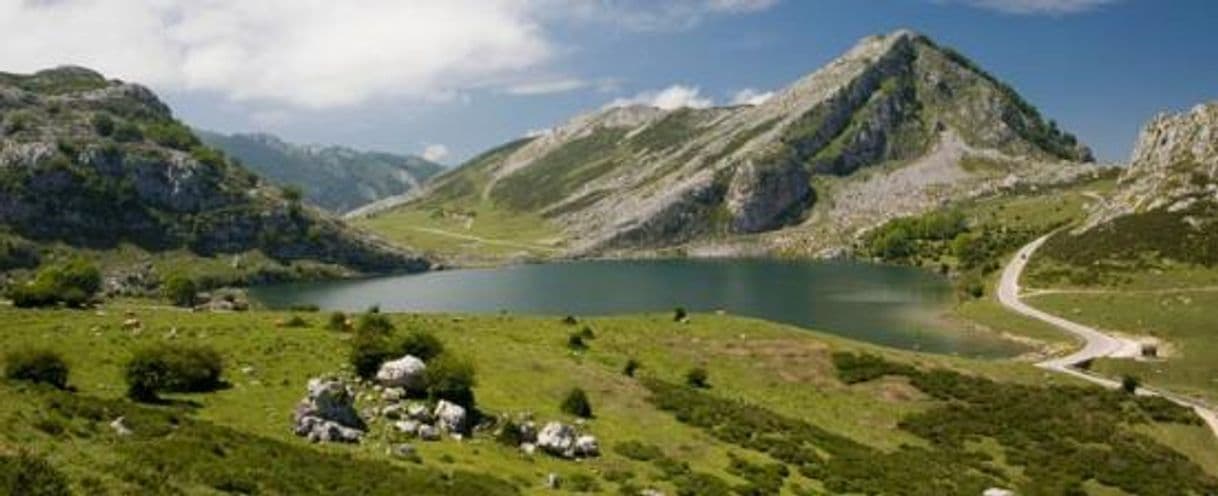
x=1184 y=320
x=524 y=364
x=478 y=234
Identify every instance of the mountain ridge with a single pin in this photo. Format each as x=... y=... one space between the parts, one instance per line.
x=643 y=178
x=337 y=178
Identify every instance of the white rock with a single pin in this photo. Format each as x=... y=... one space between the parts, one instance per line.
x=995 y=491
x=557 y=439
x=450 y=416
x=428 y=433
x=586 y=446
x=552 y=481
x=405 y=372
x=407 y=427
x=120 y=426
x=418 y=411
x=528 y=448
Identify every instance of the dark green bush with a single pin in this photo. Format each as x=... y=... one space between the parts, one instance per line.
x=25 y=474
x=576 y=403
x=855 y=368
x=337 y=322
x=172 y=134
x=36 y=365
x=1130 y=384
x=126 y=132
x=296 y=321
x=587 y=333
x=679 y=314
x=697 y=377
x=172 y=368
x=73 y=282
x=103 y=124
x=575 y=341
x=368 y=352
x=181 y=290
x=451 y=378
x=374 y=323
x=631 y=367
x=421 y=344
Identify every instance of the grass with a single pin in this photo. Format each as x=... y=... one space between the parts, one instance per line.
x=523 y=364
x=1185 y=321
x=477 y=232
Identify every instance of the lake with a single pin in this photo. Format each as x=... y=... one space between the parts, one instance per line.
x=893 y=306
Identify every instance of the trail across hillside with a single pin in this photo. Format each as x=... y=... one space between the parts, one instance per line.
x=1097 y=344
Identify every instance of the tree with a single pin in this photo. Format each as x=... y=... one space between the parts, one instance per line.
x=576 y=403
x=181 y=290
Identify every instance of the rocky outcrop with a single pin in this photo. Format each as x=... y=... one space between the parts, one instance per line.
x=327 y=413
x=563 y=440
x=95 y=163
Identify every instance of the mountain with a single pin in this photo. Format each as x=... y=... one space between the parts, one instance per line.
x=896 y=126
x=98 y=164
x=1165 y=209
x=335 y=178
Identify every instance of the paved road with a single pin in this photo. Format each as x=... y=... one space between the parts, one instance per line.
x=1096 y=343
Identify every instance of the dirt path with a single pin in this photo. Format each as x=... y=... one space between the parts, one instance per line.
x=1097 y=344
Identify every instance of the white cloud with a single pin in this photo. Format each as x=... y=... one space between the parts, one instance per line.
x=547 y=87
x=1026 y=7
x=435 y=153
x=750 y=96
x=670 y=98
x=651 y=15
x=308 y=53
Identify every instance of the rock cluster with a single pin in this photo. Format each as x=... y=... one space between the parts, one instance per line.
x=555 y=438
x=328 y=413
x=415 y=419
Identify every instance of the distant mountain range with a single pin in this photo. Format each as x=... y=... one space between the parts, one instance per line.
x=91 y=163
x=335 y=178
x=896 y=126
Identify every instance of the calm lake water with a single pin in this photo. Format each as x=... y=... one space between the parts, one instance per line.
x=892 y=306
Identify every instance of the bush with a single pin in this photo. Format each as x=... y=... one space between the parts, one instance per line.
x=373 y=322
x=29 y=475
x=575 y=341
x=337 y=322
x=73 y=283
x=368 y=352
x=587 y=333
x=697 y=377
x=181 y=290
x=450 y=378
x=631 y=367
x=173 y=135
x=296 y=321
x=103 y=124
x=679 y=314
x=36 y=365
x=1130 y=384
x=421 y=344
x=172 y=368
x=576 y=403
x=127 y=132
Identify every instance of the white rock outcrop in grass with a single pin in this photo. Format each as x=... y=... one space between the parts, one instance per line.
x=405 y=372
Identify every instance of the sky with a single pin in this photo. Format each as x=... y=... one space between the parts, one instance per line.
x=448 y=79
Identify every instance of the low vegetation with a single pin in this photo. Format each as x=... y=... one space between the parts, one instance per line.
x=172 y=368
x=39 y=365
x=72 y=283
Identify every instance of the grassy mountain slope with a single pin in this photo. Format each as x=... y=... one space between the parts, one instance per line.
x=789 y=410
x=92 y=164
x=895 y=121
x=335 y=178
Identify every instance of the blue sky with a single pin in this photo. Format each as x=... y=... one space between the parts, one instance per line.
x=455 y=77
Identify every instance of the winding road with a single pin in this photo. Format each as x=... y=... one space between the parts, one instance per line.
x=1096 y=344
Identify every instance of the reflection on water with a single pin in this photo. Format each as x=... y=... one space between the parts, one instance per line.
x=892 y=306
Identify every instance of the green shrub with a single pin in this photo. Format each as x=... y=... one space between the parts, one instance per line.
x=575 y=341
x=337 y=322
x=172 y=368
x=103 y=124
x=581 y=483
x=126 y=132
x=679 y=314
x=374 y=323
x=450 y=378
x=172 y=134
x=854 y=369
x=42 y=366
x=292 y=193
x=631 y=367
x=576 y=403
x=181 y=290
x=25 y=474
x=1130 y=384
x=639 y=451
x=697 y=377
x=73 y=282
x=296 y=321
x=587 y=333
x=208 y=156
x=368 y=352
x=421 y=344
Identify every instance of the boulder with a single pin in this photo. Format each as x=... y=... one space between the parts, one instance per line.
x=553 y=481
x=407 y=427
x=996 y=491
x=393 y=394
x=419 y=412
x=328 y=413
x=528 y=448
x=119 y=425
x=428 y=433
x=587 y=447
x=450 y=416
x=405 y=372
x=396 y=411
x=558 y=439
